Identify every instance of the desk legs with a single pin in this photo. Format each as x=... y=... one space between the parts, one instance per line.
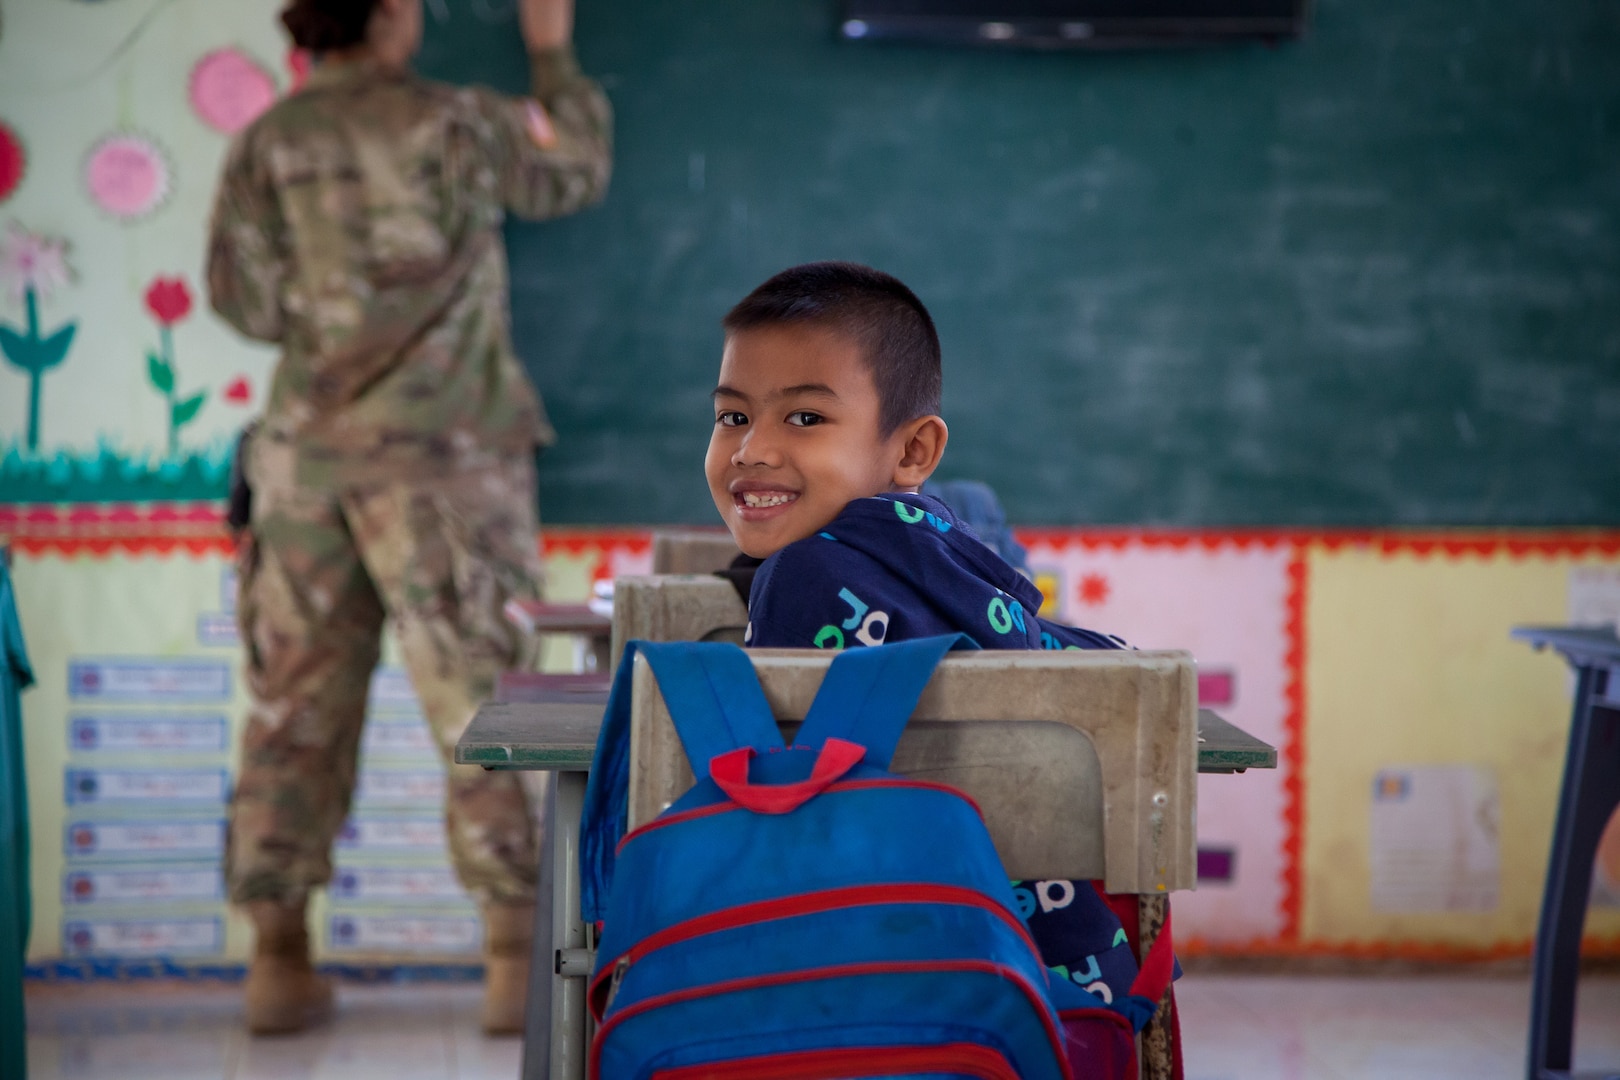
x=1591 y=791
x=1158 y=1049
x=555 y=1035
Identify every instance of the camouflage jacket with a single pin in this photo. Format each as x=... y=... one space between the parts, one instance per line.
x=357 y=224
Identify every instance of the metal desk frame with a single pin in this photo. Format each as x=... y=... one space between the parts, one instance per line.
x=1588 y=798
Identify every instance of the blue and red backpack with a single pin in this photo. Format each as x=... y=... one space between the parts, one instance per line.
x=803 y=913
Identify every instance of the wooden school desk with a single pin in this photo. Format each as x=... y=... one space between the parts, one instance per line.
x=553 y=728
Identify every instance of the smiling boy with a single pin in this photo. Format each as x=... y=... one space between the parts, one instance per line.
x=826 y=424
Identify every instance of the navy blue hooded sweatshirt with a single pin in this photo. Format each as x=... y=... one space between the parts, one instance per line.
x=898 y=567
x=894 y=568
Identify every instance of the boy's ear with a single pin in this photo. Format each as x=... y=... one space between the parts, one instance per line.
x=922 y=445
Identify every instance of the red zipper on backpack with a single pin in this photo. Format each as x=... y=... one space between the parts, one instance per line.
x=786 y=907
x=784 y=978
x=966 y=1059
x=842 y=785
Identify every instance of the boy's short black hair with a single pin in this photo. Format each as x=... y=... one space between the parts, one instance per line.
x=888 y=322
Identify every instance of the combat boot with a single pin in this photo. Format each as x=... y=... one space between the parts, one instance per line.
x=508 y=938
x=282 y=994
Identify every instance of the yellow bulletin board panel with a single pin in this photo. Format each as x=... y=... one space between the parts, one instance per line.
x=129 y=740
x=1426 y=731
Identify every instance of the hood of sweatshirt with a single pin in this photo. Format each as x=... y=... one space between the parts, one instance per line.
x=910 y=560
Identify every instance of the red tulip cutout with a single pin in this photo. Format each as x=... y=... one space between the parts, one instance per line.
x=169 y=301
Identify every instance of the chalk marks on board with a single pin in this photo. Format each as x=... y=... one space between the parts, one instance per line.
x=489 y=11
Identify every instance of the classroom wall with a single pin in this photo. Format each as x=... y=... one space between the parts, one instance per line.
x=1362 y=278
x=1420 y=748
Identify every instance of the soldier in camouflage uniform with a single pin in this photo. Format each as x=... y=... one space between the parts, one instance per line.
x=357 y=225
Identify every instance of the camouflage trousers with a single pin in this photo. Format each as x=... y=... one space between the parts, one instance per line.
x=317 y=577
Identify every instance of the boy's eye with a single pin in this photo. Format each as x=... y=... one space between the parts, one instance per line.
x=730 y=419
x=804 y=418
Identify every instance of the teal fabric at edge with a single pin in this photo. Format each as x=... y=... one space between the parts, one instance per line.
x=15 y=907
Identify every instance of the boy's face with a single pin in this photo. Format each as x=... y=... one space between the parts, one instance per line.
x=796 y=435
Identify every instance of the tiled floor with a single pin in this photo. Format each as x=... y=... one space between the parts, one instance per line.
x=1234 y=1027
x=1294 y=1028
x=415 y=1031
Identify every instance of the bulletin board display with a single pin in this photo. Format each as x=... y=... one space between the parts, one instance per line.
x=130 y=743
x=1434 y=748
x=1420 y=748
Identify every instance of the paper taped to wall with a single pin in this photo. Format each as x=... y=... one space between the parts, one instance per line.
x=1435 y=843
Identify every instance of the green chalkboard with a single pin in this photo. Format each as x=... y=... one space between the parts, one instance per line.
x=1367 y=278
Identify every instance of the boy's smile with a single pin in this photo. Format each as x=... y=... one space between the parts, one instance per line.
x=797 y=435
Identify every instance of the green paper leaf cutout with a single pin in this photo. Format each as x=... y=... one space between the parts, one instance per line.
x=15 y=346
x=54 y=348
x=186 y=411
x=161 y=374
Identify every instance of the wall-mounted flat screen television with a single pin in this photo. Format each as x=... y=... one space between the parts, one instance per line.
x=1071 y=24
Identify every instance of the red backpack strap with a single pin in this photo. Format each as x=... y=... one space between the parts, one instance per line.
x=1158 y=966
x=1154 y=977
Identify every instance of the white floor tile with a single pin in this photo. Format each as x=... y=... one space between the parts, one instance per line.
x=402 y=1055
x=478 y=1057
x=1224 y=1037
x=187 y=1056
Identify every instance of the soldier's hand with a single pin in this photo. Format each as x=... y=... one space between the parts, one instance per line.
x=547 y=24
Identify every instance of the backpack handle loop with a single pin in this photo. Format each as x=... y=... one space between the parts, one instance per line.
x=729 y=771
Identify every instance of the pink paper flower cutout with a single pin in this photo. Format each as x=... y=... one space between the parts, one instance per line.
x=127 y=175
x=229 y=91
x=168 y=299
x=31 y=261
x=13 y=161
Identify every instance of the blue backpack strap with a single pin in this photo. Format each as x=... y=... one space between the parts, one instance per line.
x=717 y=705
x=714 y=697
x=606 y=812
x=869 y=694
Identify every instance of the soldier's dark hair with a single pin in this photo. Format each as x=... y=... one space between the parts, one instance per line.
x=320 y=25
x=873 y=309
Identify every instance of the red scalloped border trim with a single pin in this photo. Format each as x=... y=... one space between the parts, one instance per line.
x=566 y=541
x=101 y=530
x=137 y=527
x=199 y=528
x=1293 y=747
x=1592 y=947
x=1094 y=538
x=1455 y=544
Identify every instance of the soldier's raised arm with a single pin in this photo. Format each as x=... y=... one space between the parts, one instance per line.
x=554 y=150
